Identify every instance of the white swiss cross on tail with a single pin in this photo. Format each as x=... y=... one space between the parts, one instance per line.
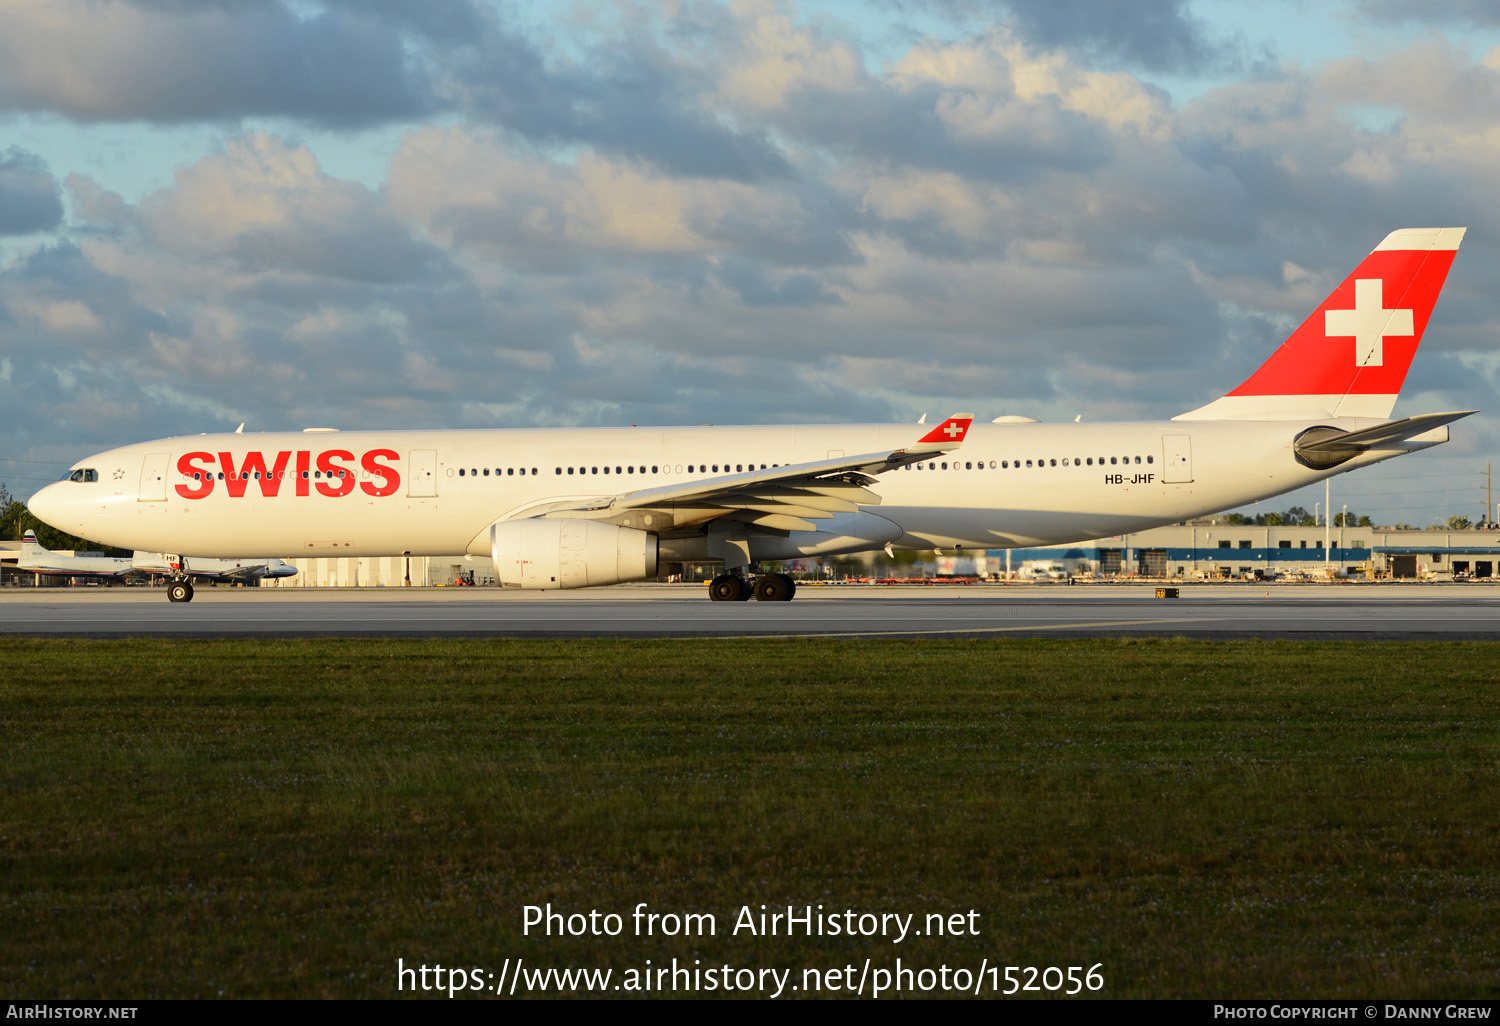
x=1369 y=322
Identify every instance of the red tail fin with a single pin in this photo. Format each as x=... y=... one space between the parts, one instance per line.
x=1350 y=357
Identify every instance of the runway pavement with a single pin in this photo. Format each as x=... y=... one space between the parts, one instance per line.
x=1470 y=610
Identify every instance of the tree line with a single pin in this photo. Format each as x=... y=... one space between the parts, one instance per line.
x=1300 y=517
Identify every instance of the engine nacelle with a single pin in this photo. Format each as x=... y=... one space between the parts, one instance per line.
x=551 y=554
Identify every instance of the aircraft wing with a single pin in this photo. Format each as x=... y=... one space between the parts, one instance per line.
x=783 y=498
x=249 y=572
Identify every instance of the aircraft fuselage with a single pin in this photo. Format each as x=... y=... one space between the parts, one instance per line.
x=353 y=493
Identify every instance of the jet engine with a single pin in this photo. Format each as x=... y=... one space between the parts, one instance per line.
x=563 y=553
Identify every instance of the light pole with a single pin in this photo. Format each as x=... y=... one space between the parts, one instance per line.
x=1327 y=534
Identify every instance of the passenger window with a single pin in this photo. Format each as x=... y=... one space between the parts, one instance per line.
x=1113 y=460
x=460 y=471
x=1028 y=464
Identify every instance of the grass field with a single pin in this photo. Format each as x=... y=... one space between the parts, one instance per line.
x=288 y=818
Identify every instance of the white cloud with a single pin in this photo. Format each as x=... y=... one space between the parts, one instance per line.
x=114 y=60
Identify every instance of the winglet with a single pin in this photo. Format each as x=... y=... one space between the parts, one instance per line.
x=947 y=435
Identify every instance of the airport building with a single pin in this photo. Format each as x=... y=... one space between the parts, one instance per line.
x=1231 y=550
x=385 y=572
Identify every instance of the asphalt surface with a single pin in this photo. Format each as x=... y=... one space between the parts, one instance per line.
x=1467 y=610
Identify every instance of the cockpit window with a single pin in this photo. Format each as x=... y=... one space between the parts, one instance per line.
x=84 y=475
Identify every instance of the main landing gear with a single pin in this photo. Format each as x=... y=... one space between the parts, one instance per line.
x=765 y=588
x=180 y=591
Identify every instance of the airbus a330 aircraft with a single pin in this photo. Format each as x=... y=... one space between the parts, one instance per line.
x=574 y=508
x=37 y=560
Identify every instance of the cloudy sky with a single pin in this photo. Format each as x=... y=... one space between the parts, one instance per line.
x=466 y=213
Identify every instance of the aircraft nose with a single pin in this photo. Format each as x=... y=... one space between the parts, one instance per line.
x=62 y=506
x=48 y=504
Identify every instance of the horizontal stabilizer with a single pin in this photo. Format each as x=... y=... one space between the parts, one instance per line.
x=1395 y=431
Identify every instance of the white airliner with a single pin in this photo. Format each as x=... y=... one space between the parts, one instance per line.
x=37 y=560
x=575 y=508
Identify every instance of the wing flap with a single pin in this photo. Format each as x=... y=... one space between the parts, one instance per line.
x=776 y=521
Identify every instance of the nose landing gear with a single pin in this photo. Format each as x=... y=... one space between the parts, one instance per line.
x=180 y=588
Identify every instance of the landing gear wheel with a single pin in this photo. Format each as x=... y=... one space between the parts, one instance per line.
x=728 y=588
x=179 y=591
x=775 y=588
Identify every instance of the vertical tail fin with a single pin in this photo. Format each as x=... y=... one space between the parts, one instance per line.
x=30 y=546
x=1351 y=356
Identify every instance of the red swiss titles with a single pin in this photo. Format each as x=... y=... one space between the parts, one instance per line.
x=333 y=473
